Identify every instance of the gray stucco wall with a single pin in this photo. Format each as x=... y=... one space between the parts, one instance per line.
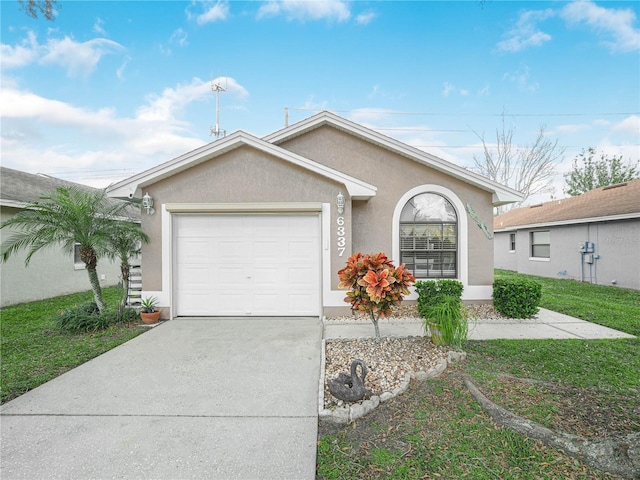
x=394 y=175
x=50 y=273
x=616 y=243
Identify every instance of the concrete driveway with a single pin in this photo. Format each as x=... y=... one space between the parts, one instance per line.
x=228 y=398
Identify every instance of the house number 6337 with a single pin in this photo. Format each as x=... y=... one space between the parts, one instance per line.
x=342 y=242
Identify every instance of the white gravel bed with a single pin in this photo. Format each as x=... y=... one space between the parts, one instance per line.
x=388 y=362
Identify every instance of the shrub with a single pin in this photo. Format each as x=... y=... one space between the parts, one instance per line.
x=431 y=292
x=517 y=298
x=87 y=318
x=376 y=285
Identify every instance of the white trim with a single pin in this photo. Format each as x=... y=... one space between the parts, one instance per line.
x=463 y=248
x=276 y=207
x=539 y=259
x=132 y=186
x=561 y=223
x=501 y=194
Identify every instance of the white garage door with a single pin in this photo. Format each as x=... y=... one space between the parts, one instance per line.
x=257 y=265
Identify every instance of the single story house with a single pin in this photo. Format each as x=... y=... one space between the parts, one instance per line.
x=248 y=226
x=51 y=272
x=594 y=237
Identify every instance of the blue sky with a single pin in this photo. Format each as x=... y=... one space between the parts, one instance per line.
x=109 y=89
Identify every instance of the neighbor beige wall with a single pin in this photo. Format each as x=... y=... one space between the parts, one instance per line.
x=240 y=176
x=394 y=175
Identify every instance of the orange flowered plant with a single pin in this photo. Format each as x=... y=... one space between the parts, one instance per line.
x=376 y=285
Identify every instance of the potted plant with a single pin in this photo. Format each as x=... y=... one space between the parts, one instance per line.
x=148 y=312
x=446 y=322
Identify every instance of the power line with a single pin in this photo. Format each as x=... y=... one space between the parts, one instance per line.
x=426 y=114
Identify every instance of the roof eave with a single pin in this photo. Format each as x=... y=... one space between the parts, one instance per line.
x=502 y=195
x=133 y=186
x=575 y=221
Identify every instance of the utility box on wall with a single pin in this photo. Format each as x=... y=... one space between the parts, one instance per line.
x=586 y=247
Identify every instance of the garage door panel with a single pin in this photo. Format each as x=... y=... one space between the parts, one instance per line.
x=247 y=265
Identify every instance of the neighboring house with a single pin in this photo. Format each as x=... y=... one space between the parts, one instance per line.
x=594 y=237
x=261 y=226
x=51 y=271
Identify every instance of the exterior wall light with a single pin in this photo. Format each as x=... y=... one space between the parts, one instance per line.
x=147 y=204
x=340 y=203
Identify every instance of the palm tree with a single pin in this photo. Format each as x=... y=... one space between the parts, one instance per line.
x=66 y=217
x=125 y=240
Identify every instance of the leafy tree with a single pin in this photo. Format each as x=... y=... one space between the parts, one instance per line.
x=46 y=7
x=589 y=173
x=529 y=169
x=124 y=240
x=376 y=285
x=63 y=218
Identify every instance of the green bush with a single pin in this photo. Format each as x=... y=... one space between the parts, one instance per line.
x=517 y=298
x=87 y=318
x=431 y=292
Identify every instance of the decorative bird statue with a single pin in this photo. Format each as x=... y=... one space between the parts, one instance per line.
x=349 y=388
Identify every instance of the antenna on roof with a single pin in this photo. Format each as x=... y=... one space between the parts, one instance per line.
x=216 y=86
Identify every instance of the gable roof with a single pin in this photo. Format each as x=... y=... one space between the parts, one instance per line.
x=501 y=194
x=132 y=187
x=614 y=202
x=18 y=188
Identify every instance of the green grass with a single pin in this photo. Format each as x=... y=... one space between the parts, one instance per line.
x=613 y=307
x=34 y=351
x=444 y=433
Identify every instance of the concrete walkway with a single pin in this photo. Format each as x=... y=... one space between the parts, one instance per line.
x=192 y=398
x=545 y=325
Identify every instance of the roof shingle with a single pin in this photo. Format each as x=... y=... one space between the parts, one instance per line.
x=619 y=199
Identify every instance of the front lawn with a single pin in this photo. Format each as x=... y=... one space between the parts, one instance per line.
x=436 y=429
x=34 y=351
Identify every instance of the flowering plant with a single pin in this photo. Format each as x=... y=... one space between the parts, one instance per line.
x=376 y=285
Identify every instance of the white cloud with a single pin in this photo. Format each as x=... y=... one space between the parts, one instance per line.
x=78 y=58
x=213 y=12
x=43 y=134
x=526 y=33
x=21 y=55
x=98 y=27
x=303 y=10
x=522 y=78
x=449 y=88
x=179 y=37
x=365 y=18
x=615 y=24
x=630 y=125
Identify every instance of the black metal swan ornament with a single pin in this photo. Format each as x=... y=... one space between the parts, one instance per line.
x=349 y=388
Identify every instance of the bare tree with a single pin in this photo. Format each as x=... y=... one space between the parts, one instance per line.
x=527 y=168
x=46 y=7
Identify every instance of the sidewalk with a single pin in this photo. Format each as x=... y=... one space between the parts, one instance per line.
x=545 y=325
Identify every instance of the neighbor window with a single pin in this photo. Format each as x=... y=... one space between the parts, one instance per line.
x=77 y=260
x=541 y=244
x=512 y=242
x=429 y=237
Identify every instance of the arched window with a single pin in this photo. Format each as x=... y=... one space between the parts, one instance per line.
x=429 y=237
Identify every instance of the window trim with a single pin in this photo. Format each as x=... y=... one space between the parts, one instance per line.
x=433 y=256
x=512 y=242
x=532 y=245
x=463 y=230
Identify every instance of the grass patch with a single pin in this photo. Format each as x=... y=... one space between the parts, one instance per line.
x=436 y=430
x=613 y=307
x=34 y=350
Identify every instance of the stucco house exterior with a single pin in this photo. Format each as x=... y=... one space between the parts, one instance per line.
x=594 y=237
x=248 y=226
x=51 y=272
